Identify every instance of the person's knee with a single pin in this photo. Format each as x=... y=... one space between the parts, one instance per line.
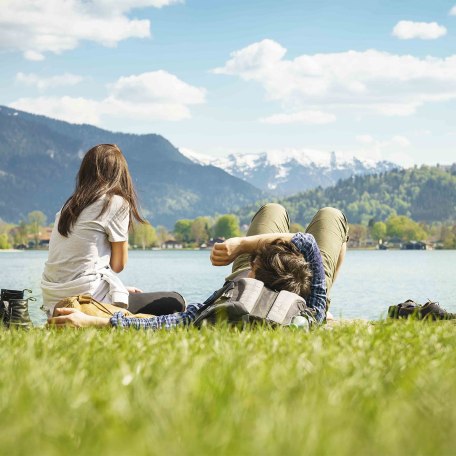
x=334 y=213
x=331 y=212
x=329 y=215
x=273 y=211
x=273 y=207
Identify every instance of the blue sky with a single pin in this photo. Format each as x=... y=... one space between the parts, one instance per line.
x=375 y=79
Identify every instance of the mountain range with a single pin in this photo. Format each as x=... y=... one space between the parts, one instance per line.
x=283 y=173
x=39 y=159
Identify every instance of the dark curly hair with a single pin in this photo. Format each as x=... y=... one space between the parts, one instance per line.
x=280 y=265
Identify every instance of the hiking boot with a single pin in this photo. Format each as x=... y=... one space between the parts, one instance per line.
x=5 y=308
x=432 y=311
x=19 y=314
x=403 y=310
x=429 y=311
x=6 y=295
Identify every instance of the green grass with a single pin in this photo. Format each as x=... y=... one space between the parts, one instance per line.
x=355 y=390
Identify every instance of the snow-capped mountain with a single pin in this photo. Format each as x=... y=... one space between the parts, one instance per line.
x=292 y=171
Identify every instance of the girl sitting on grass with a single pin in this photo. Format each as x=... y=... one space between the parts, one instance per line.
x=89 y=241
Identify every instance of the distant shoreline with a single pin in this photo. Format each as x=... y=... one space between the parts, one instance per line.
x=190 y=249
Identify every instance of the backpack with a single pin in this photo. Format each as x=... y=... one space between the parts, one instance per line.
x=90 y=306
x=247 y=301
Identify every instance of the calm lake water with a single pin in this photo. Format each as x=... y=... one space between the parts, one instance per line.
x=368 y=283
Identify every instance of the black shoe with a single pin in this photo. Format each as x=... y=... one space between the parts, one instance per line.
x=403 y=310
x=429 y=311
x=432 y=311
x=6 y=295
x=5 y=307
x=18 y=313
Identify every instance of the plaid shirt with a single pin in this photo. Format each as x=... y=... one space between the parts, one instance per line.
x=307 y=244
x=317 y=300
x=160 y=322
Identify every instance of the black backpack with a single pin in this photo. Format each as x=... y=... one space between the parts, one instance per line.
x=247 y=301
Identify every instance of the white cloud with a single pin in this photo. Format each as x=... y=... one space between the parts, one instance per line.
x=398 y=109
x=401 y=141
x=157 y=85
x=392 y=149
x=155 y=95
x=252 y=58
x=126 y=109
x=164 y=97
x=32 y=79
x=71 y=109
x=33 y=55
x=368 y=81
x=397 y=140
x=408 y=30
x=36 y=27
x=365 y=139
x=304 y=117
x=453 y=11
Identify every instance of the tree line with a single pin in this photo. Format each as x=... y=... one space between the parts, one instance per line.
x=27 y=234
x=33 y=232
x=202 y=230
x=188 y=232
x=401 y=229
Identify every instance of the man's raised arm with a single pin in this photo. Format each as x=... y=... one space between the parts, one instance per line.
x=224 y=253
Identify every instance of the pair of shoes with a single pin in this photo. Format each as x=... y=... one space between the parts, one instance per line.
x=429 y=311
x=14 y=308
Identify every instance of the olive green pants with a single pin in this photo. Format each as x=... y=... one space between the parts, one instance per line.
x=329 y=227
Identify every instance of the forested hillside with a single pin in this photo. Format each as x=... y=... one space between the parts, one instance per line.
x=425 y=193
x=39 y=159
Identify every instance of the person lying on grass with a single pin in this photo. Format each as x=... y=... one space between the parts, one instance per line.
x=302 y=263
x=89 y=240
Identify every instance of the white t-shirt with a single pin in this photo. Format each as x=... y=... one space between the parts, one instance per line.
x=79 y=263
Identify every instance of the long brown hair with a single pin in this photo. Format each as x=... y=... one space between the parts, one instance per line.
x=103 y=171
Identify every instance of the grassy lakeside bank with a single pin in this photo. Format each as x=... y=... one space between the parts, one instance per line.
x=388 y=388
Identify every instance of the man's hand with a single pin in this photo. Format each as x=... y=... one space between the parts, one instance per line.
x=76 y=319
x=224 y=253
x=133 y=290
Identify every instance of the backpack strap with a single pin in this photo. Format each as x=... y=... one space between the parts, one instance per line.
x=227 y=287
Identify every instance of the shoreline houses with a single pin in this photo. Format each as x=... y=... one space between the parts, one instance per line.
x=171 y=244
x=29 y=241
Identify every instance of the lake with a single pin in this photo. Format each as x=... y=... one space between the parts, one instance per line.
x=368 y=283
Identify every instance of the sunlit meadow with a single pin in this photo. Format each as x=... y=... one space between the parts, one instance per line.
x=354 y=389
